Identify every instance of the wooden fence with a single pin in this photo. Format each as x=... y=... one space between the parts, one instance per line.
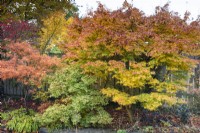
x=11 y=87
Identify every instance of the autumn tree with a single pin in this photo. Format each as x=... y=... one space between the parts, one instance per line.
x=15 y=31
x=134 y=55
x=34 y=10
x=25 y=64
x=53 y=34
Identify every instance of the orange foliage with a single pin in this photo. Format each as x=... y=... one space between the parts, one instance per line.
x=25 y=64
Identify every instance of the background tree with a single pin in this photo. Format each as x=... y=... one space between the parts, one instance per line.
x=34 y=10
x=53 y=34
x=16 y=30
x=133 y=55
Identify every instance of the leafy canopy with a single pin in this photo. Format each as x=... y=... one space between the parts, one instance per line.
x=134 y=55
x=25 y=64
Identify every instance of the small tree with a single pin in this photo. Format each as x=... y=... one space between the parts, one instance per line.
x=26 y=65
x=135 y=56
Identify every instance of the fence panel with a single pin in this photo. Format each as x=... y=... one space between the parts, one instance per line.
x=13 y=88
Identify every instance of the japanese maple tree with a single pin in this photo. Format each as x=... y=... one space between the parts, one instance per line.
x=133 y=55
x=25 y=64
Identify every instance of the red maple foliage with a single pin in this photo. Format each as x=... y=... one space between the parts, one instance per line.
x=17 y=30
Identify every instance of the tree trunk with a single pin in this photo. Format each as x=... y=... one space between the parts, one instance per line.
x=130 y=113
x=160 y=72
x=129 y=108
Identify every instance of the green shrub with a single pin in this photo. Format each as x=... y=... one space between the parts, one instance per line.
x=21 y=121
x=121 y=131
x=77 y=104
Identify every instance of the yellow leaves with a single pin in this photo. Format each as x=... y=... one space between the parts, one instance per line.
x=136 y=77
x=123 y=100
x=164 y=97
x=153 y=82
x=54 y=31
x=119 y=97
x=154 y=100
x=70 y=21
x=169 y=87
x=111 y=92
x=98 y=68
x=153 y=105
x=149 y=101
x=173 y=62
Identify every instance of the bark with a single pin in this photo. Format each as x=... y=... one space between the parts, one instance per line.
x=130 y=113
x=160 y=73
x=129 y=109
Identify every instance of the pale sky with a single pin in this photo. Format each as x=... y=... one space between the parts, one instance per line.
x=147 y=6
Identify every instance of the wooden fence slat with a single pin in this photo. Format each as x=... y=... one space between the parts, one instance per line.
x=12 y=88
